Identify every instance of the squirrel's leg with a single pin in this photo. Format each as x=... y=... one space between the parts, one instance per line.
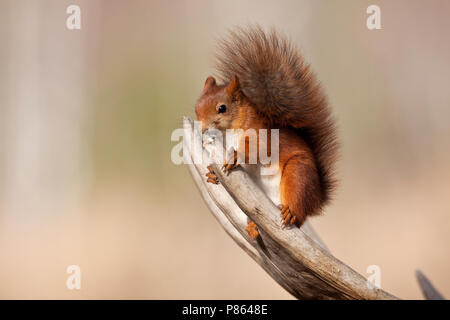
x=300 y=191
x=212 y=178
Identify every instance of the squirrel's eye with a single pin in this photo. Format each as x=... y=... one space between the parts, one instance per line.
x=222 y=109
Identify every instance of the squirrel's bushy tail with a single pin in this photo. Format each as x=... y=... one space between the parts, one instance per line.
x=274 y=76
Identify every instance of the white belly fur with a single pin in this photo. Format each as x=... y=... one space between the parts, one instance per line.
x=270 y=184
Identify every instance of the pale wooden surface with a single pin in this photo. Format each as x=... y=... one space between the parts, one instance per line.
x=295 y=258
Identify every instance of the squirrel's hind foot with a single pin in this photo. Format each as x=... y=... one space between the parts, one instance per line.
x=288 y=218
x=252 y=230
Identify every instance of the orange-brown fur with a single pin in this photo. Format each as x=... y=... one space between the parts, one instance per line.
x=267 y=85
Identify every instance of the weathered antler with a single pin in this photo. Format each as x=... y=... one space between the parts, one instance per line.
x=295 y=258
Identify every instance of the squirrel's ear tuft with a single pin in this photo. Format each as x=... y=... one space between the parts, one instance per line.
x=234 y=86
x=210 y=82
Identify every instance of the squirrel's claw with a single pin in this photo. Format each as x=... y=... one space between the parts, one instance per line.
x=287 y=217
x=213 y=181
x=230 y=166
x=227 y=167
x=212 y=178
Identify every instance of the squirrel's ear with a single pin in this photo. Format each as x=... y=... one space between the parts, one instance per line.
x=234 y=86
x=210 y=82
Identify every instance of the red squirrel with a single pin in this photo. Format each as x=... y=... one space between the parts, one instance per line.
x=268 y=85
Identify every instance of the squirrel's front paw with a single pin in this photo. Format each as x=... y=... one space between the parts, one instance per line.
x=288 y=218
x=227 y=167
x=212 y=178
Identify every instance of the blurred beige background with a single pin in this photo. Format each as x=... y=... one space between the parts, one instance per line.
x=85 y=124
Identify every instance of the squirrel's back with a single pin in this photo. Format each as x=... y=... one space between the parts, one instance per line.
x=274 y=76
